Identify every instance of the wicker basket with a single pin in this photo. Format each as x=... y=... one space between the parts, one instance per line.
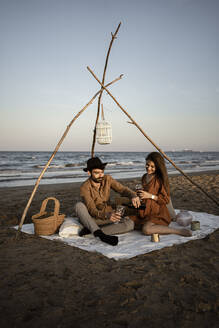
x=47 y=223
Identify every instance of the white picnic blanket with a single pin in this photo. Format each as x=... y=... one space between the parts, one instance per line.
x=135 y=243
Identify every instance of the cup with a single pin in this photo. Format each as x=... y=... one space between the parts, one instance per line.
x=195 y=225
x=120 y=209
x=155 y=238
x=138 y=187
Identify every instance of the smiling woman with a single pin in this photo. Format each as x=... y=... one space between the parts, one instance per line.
x=150 y=167
x=155 y=195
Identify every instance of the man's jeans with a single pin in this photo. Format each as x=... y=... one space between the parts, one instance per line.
x=110 y=229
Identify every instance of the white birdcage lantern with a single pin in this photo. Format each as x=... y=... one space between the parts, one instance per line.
x=103 y=131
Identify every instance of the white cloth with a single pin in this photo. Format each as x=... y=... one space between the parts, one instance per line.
x=135 y=243
x=70 y=227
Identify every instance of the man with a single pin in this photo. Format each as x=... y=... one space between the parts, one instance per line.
x=95 y=211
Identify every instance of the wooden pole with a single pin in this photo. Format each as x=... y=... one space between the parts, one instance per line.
x=101 y=92
x=102 y=113
x=53 y=155
x=151 y=141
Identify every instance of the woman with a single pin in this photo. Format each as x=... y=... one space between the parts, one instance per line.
x=155 y=194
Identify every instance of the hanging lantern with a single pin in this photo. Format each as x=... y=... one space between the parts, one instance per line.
x=103 y=131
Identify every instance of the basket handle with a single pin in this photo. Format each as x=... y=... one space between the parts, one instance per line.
x=44 y=204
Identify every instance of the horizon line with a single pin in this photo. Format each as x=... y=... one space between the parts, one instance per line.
x=112 y=151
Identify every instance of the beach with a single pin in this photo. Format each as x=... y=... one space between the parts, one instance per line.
x=49 y=284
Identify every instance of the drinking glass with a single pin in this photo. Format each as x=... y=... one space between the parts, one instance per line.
x=120 y=209
x=138 y=187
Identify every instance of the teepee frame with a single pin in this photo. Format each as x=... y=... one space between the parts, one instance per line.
x=100 y=92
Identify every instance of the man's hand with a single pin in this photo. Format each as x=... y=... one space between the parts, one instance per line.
x=115 y=217
x=136 y=202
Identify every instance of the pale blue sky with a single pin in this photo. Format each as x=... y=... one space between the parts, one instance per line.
x=168 y=51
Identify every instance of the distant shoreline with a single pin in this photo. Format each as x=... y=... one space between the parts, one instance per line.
x=110 y=151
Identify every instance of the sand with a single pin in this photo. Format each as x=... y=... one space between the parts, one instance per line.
x=48 y=284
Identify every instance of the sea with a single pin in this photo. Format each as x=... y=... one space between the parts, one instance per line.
x=22 y=168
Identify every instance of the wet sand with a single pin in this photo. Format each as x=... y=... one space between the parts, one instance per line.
x=48 y=284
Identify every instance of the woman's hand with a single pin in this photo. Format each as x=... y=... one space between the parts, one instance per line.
x=144 y=194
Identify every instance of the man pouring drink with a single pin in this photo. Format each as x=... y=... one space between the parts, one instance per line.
x=95 y=211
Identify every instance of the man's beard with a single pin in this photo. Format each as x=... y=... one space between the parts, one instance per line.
x=98 y=180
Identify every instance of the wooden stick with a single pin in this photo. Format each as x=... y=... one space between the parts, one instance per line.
x=101 y=92
x=53 y=155
x=102 y=113
x=151 y=141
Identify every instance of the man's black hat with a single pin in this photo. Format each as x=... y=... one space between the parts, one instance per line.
x=94 y=163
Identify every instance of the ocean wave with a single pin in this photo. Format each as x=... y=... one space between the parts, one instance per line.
x=52 y=166
x=130 y=163
x=10 y=171
x=112 y=164
x=57 y=177
x=184 y=162
x=59 y=166
x=209 y=164
x=122 y=163
x=74 y=164
x=216 y=162
x=38 y=166
x=14 y=178
x=6 y=165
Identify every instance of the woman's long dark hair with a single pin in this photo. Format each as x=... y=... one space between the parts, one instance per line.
x=161 y=171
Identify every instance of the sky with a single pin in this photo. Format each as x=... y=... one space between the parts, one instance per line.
x=168 y=51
